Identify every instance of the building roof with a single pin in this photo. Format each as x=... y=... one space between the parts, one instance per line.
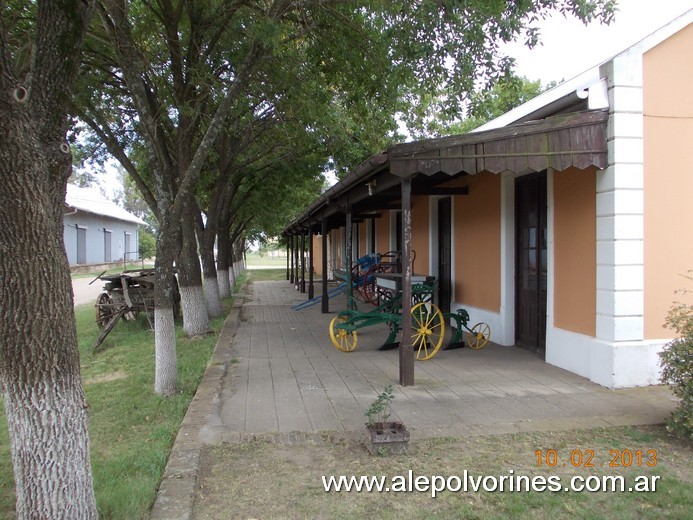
x=91 y=201
x=559 y=142
x=562 y=127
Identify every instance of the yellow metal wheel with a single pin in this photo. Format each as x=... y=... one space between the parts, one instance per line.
x=428 y=330
x=479 y=336
x=342 y=339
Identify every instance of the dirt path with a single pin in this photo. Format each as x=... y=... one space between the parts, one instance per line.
x=85 y=293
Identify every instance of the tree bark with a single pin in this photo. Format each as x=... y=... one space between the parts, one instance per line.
x=195 y=317
x=45 y=406
x=205 y=238
x=223 y=262
x=167 y=249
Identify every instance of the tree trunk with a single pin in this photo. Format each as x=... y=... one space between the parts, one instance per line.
x=195 y=317
x=45 y=406
x=232 y=267
x=206 y=237
x=166 y=366
x=212 y=297
x=47 y=412
x=223 y=262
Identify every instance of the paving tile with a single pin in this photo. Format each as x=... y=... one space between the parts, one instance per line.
x=289 y=377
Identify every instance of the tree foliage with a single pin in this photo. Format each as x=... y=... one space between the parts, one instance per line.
x=500 y=97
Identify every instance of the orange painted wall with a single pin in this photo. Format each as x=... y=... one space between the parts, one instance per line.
x=337 y=243
x=477 y=242
x=382 y=233
x=668 y=127
x=419 y=230
x=575 y=250
x=317 y=254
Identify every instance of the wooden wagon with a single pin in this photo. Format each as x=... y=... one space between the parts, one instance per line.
x=125 y=295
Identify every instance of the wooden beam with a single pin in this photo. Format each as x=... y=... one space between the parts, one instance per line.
x=441 y=190
x=406 y=350
x=325 y=302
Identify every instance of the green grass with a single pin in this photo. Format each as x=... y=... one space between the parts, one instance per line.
x=115 y=270
x=131 y=429
x=267 y=275
x=257 y=260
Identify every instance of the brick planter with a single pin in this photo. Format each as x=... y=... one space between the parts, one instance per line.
x=387 y=438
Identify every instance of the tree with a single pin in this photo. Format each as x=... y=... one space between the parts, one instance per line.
x=174 y=92
x=501 y=96
x=46 y=410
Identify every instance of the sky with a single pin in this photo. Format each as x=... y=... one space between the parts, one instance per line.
x=569 y=47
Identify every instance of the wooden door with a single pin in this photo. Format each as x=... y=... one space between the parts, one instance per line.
x=531 y=263
x=444 y=254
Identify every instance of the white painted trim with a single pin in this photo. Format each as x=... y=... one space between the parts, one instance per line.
x=614 y=365
x=550 y=258
x=493 y=319
x=506 y=332
x=569 y=350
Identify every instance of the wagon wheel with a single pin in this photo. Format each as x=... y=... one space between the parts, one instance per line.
x=428 y=330
x=104 y=309
x=370 y=287
x=341 y=338
x=478 y=336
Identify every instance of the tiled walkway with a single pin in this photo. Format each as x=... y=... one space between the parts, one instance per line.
x=287 y=376
x=276 y=374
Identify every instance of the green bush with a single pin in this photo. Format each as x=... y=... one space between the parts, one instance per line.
x=677 y=367
x=147 y=244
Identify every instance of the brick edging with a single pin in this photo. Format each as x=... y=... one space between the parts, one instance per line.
x=176 y=494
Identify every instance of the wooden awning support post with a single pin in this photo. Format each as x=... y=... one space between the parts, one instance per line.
x=288 y=254
x=347 y=267
x=406 y=350
x=291 y=254
x=325 y=299
x=296 y=265
x=311 y=267
x=303 y=263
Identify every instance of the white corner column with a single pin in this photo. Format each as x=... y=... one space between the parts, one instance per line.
x=615 y=356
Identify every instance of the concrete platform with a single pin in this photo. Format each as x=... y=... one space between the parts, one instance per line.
x=276 y=373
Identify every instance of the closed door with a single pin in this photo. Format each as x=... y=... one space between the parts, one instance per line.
x=106 y=246
x=444 y=255
x=531 y=264
x=81 y=245
x=128 y=253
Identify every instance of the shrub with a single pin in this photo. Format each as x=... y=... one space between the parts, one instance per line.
x=677 y=367
x=147 y=244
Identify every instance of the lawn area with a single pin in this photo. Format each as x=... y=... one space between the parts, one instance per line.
x=130 y=266
x=131 y=429
x=262 y=479
x=255 y=260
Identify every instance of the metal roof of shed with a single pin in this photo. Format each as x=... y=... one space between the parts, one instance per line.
x=91 y=201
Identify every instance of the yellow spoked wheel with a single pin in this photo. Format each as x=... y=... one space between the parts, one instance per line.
x=342 y=339
x=428 y=330
x=479 y=336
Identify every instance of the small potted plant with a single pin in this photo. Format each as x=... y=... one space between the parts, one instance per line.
x=385 y=437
